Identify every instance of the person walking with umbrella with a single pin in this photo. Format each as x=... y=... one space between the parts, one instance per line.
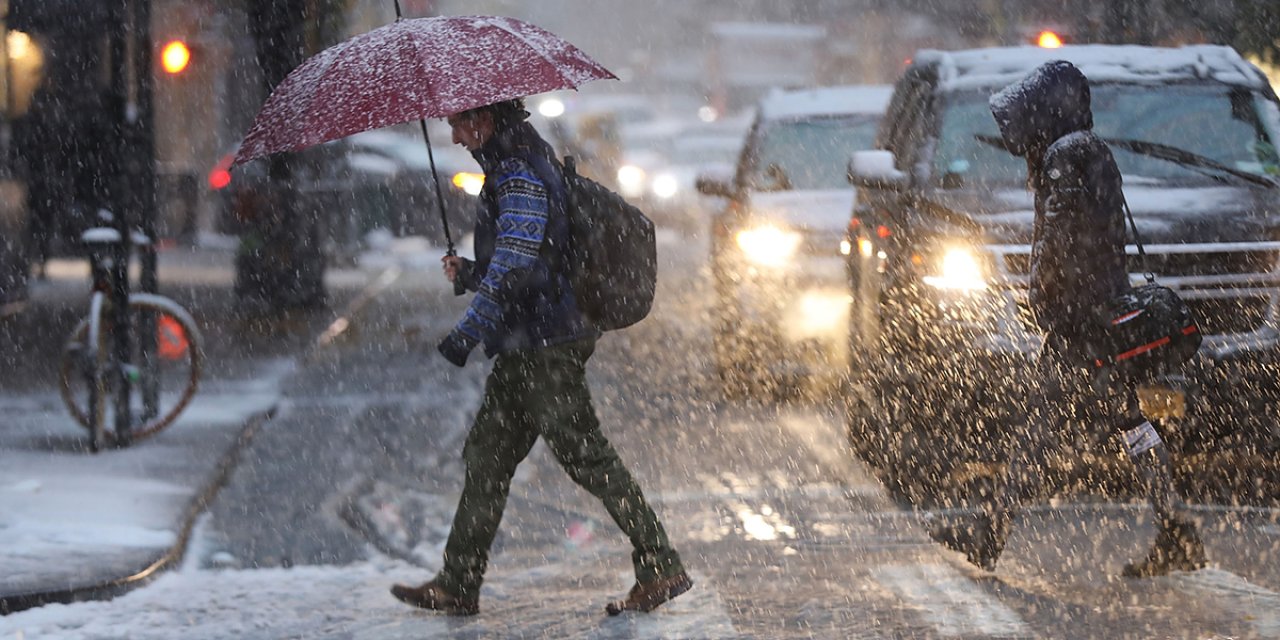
x=525 y=315
x=474 y=70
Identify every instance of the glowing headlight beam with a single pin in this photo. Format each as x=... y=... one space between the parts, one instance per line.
x=551 y=108
x=631 y=180
x=471 y=183
x=768 y=245
x=665 y=185
x=959 y=269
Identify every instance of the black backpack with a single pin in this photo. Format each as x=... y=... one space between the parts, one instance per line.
x=612 y=254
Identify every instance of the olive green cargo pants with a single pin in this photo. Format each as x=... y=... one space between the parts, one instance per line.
x=543 y=392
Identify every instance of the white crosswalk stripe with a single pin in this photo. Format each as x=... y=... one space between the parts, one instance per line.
x=954 y=605
x=1258 y=606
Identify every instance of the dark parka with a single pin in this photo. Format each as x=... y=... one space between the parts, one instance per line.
x=1077 y=253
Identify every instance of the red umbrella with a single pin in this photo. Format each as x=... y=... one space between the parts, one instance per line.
x=409 y=70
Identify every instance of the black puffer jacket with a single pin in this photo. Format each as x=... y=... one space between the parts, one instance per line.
x=1077 y=253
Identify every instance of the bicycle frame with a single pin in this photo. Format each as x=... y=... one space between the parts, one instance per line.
x=94 y=376
x=109 y=266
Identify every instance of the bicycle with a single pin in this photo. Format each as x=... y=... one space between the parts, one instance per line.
x=146 y=391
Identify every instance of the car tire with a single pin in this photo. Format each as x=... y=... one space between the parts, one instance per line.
x=731 y=357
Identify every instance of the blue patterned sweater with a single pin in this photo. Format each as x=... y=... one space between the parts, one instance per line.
x=521 y=302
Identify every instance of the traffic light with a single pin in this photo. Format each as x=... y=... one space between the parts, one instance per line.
x=175 y=56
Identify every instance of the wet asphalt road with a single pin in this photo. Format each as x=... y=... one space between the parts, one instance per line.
x=787 y=535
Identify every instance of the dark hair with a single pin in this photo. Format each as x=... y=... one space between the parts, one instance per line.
x=505 y=113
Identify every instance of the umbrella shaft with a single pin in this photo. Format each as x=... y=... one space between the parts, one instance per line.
x=444 y=219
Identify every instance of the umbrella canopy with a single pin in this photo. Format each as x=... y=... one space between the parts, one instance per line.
x=413 y=69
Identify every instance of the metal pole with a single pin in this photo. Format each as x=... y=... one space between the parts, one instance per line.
x=143 y=196
x=117 y=180
x=6 y=128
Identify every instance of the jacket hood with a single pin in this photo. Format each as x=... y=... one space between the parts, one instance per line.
x=1052 y=101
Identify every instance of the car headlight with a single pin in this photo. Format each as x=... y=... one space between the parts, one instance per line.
x=631 y=180
x=471 y=183
x=959 y=268
x=665 y=185
x=768 y=244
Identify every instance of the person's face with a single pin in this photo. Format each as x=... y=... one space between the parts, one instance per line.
x=472 y=130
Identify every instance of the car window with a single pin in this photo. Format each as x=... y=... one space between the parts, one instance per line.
x=1217 y=122
x=706 y=150
x=1207 y=121
x=965 y=153
x=807 y=154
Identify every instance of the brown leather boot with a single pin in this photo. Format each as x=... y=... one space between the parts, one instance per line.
x=646 y=597
x=429 y=595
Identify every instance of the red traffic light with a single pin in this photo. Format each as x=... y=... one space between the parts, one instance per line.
x=175 y=56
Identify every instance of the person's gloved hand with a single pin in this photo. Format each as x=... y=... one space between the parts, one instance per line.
x=455 y=348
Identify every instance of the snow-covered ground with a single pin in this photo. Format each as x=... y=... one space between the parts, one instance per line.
x=66 y=513
x=71 y=519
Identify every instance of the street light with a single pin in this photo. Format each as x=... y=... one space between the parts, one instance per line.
x=23 y=63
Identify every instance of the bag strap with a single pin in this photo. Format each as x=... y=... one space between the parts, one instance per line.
x=1142 y=253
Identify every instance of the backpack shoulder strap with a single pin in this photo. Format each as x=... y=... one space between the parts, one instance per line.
x=556 y=260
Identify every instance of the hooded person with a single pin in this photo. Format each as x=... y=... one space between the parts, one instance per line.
x=525 y=315
x=1077 y=265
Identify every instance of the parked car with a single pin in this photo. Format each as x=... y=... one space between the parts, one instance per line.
x=939 y=245
x=412 y=208
x=780 y=303
x=374 y=179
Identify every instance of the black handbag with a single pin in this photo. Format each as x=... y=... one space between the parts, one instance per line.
x=1148 y=330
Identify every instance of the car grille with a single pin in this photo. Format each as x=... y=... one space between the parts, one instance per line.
x=1218 y=311
x=1230 y=315
x=1179 y=264
x=821 y=243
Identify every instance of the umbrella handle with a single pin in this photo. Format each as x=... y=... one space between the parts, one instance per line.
x=458 y=287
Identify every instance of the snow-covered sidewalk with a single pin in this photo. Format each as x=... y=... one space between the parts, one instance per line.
x=73 y=520
x=74 y=524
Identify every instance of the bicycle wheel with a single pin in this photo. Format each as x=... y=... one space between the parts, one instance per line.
x=172 y=375
x=83 y=367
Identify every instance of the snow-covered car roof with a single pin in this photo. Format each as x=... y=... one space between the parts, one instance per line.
x=823 y=101
x=999 y=66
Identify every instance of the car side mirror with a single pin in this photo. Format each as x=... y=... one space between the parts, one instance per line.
x=715 y=183
x=874 y=169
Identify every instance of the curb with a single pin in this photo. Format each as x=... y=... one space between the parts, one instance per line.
x=118 y=586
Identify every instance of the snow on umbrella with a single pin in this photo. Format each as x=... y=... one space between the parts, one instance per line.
x=409 y=70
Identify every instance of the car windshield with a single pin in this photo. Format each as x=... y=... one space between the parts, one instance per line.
x=705 y=150
x=1220 y=124
x=807 y=154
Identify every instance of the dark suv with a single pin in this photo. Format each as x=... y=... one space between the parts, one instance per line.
x=940 y=244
